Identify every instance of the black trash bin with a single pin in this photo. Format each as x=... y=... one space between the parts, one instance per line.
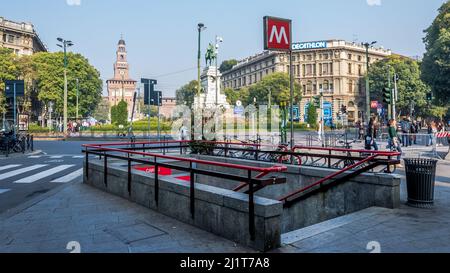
x=420 y=176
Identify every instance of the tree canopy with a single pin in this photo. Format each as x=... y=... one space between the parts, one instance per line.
x=43 y=74
x=227 y=65
x=187 y=93
x=410 y=87
x=119 y=113
x=50 y=70
x=436 y=61
x=278 y=85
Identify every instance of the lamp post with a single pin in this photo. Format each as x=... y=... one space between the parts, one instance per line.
x=218 y=40
x=78 y=90
x=64 y=44
x=200 y=27
x=367 y=45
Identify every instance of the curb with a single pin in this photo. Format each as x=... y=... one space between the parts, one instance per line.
x=14 y=156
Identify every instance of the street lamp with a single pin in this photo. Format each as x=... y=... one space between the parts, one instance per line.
x=218 y=40
x=64 y=44
x=200 y=27
x=367 y=45
x=78 y=90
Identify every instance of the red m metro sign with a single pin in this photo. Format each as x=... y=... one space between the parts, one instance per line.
x=277 y=34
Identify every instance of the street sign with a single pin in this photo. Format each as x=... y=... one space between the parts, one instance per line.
x=9 y=88
x=23 y=122
x=374 y=104
x=277 y=34
x=238 y=110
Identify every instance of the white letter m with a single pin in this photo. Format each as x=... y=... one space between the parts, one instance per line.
x=278 y=35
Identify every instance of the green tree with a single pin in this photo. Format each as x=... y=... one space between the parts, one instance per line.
x=119 y=113
x=312 y=115
x=187 y=93
x=227 y=65
x=436 y=61
x=50 y=81
x=278 y=85
x=235 y=95
x=8 y=71
x=411 y=89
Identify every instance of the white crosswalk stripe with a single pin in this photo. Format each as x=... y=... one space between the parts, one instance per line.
x=35 y=156
x=78 y=156
x=67 y=178
x=21 y=171
x=4 y=190
x=56 y=156
x=9 y=166
x=33 y=178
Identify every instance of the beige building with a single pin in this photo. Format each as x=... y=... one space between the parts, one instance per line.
x=20 y=37
x=334 y=67
x=121 y=86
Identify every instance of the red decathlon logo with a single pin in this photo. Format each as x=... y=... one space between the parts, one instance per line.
x=277 y=33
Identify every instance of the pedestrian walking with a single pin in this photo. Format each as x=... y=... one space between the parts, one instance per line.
x=413 y=131
x=394 y=143
x=370 y=140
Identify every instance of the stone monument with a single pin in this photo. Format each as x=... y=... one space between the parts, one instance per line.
x=210 y=82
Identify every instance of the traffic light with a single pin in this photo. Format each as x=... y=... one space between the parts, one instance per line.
x=429 y=96
x=386 y=95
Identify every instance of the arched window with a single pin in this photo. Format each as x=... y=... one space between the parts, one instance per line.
x=351 y=104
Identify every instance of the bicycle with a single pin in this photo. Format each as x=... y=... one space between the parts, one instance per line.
x=348 y=161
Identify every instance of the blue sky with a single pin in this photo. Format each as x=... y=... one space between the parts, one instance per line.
x=161 y=35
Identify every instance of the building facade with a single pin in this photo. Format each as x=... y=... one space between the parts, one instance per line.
x=121 y=86
x=168 y=104
x=335 y=68
x=20 y=37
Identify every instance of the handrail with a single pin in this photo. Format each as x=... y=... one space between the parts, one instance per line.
x=284 y=198
x=382 y=153
x=191 y=160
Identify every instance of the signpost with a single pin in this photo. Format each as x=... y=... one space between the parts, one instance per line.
x=278 y=37
x=14 y=89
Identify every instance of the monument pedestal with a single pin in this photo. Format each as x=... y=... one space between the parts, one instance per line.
x=207 y=98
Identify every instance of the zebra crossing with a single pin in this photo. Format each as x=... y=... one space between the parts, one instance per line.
x=23 y=174
x=54 y=156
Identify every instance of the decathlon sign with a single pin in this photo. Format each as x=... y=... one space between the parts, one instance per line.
x=277 y=34
x=309 y=45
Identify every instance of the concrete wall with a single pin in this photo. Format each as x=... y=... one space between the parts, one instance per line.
x=363 y=191
x=217 y=210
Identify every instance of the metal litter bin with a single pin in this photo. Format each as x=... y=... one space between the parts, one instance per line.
x=420 y=177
